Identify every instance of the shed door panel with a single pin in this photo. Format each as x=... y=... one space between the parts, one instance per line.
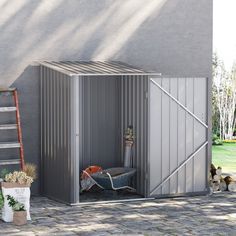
x=178 y=135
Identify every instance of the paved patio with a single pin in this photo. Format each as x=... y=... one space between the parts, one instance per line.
x=205 y=215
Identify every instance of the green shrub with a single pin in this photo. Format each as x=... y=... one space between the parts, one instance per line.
x=216 y=140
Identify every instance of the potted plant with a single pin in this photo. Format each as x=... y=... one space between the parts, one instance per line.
x=19 y=211
x=14 y=181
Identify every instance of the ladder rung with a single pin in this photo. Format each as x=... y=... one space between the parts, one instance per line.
x=8 y=126
x=16 y=144
x=10 y=162
x=7 y=109
x=9 y=145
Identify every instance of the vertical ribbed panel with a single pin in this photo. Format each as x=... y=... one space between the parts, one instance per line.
x=83 y=120
x=100 y=123
x=134 y=111
x=56 y=159
x=175 y=135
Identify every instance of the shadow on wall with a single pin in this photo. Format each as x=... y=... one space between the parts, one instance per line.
x=144 y=33
x=151 y=33
x=28 y=84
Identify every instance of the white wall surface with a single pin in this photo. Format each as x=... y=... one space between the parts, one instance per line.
x=173 y=37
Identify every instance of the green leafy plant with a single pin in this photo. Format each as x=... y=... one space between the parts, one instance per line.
x=3 y=173
x=1 y=200
x=14 y=204
x=216 y=140
x=129 y=134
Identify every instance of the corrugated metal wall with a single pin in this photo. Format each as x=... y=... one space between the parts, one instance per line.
x=84 y=119
x=134 y=111
x=57 y=164
x=100 y=126
x=175 y=135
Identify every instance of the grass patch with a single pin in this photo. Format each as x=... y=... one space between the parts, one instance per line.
x=225 y=156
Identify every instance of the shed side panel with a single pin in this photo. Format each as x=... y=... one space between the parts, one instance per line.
x=55 y=134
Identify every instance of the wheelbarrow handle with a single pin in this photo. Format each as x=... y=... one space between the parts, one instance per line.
x=85 y=172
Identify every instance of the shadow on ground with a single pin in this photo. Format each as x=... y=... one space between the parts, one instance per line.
x=205 y=215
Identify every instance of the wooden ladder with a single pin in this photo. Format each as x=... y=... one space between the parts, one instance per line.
x=16 y=126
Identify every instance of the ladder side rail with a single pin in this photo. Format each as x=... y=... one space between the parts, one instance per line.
x=19 y=131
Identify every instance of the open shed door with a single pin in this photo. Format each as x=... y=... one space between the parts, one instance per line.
x=178 y=136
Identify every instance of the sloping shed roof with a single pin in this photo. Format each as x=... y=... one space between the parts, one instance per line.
x=95 y=68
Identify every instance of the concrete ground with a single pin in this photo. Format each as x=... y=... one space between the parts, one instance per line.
x=205 y=215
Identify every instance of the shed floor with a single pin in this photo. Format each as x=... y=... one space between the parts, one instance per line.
x=97 y=195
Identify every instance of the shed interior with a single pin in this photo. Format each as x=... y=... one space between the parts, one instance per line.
x=110 y=104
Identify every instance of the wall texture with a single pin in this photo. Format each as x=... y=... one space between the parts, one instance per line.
x=173 y=37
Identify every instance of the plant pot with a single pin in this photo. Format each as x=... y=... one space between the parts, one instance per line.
x=20 y=217
x=21 y=192
x=14 y=185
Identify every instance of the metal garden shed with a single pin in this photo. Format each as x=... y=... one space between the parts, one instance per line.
x=85 y=108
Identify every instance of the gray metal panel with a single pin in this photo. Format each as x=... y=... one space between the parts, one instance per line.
x=75 y=138
x=100 y=124
x=134 y=111
x=94 y=68
x=165 y=135
x=56 y=137
x=155 y=131
x=175 y=135
x=181 y=135
x=209 y=134
x=190 y=134
x=200 y=134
